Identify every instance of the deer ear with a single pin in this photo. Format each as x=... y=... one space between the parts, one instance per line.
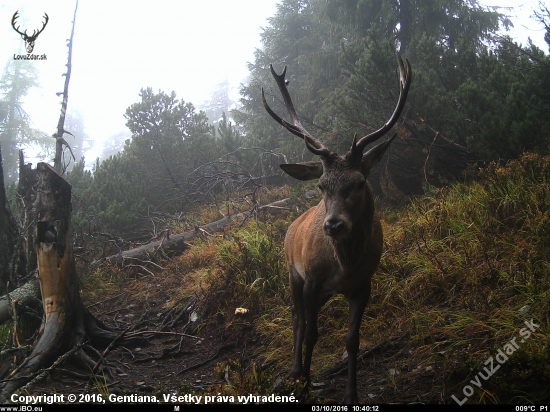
x=373 y=156
x=304 y=171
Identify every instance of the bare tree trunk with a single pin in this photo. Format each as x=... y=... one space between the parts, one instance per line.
x=59 y=140
x=67 y=323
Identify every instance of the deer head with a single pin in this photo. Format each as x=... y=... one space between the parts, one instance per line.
x=29 y=40
x=342 y=179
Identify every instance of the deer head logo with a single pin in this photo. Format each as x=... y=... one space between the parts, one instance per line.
x=29 y=40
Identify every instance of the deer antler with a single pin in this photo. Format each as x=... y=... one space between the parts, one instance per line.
x=15 y=16
x=404 y=84
x=312 y=143
x=35 y=33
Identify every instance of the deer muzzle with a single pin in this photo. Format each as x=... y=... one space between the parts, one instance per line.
x=334 y=227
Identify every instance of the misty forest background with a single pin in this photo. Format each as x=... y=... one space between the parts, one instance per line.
x=484 y=96
x=478 y=112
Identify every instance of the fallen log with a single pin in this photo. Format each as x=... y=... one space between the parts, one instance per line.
x=179 y=242
x=27 y=295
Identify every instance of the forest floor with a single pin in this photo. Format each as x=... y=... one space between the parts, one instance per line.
x=195 y=363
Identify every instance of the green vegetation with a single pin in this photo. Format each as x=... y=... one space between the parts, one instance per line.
x=474 y=96
x=481 y=91
x=465 y=268
x=461 y=273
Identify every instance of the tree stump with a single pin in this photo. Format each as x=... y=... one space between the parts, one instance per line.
x=67 y=323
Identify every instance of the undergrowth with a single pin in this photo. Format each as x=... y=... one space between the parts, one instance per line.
x=462 y=271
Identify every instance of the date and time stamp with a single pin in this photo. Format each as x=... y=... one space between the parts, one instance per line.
x=35 y=403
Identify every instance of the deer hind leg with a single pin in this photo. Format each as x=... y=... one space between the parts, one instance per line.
x=298 y=321
x=357 y=306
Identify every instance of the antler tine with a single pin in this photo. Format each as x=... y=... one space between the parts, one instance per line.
x=15 y=16
x=313 y=144
x=405 y=77
x=44 y=25
x=279 y=120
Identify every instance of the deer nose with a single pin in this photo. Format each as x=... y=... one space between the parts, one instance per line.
x=333 y=227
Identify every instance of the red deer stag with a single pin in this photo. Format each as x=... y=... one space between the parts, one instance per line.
x=335 y=246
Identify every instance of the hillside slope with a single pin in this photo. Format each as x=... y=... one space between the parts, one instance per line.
x=459 y=309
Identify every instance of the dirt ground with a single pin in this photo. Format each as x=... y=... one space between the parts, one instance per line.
x=183 y=360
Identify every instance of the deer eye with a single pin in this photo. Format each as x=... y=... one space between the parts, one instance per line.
x=361 y=184
x=320 y=186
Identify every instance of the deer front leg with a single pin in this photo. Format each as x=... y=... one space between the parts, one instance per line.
x=311 y=302
x=357 y=306
x=298 y=321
